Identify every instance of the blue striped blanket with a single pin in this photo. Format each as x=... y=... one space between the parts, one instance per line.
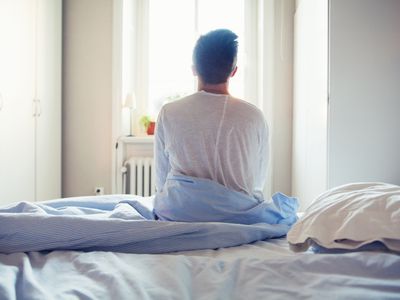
x=133 y=224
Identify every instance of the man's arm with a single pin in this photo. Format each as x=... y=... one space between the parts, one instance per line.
x=162 y=165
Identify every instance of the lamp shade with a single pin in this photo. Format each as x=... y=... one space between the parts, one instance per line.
x=130 y=101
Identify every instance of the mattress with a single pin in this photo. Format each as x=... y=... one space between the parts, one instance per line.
x=110 y=247
x=261 y=270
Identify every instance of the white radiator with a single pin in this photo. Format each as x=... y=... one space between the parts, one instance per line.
x=138 y=176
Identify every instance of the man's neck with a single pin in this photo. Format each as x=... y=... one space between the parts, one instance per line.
x=221 y=88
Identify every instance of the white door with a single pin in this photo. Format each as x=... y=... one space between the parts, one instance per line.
x=17 y=39
x=48 y=133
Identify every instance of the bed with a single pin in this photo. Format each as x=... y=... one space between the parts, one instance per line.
x=296 y=266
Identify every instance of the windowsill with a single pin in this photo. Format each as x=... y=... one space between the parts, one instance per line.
x=147 y=139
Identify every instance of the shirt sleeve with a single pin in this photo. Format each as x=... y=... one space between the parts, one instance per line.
x=162 y=165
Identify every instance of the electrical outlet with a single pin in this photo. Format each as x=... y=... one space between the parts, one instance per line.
x=99 y=190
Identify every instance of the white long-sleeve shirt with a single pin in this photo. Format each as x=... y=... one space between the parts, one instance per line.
x=213 y=136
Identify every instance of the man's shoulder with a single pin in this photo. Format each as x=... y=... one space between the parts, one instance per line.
x=245 y=104
x=179 y=107
x=179 y=102
x=246 y=107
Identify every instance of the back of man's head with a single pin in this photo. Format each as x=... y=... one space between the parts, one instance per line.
x=214 y=55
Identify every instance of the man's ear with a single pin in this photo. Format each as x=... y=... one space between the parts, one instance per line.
x=194 y=70
x=234 y=71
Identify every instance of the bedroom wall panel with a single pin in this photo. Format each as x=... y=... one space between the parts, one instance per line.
x=364 y=110
x=87 y=94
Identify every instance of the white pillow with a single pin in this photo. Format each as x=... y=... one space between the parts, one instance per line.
x=349 y=217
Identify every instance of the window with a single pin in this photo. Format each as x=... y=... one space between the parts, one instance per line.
x=158 y=41
x=174 y=27
x=264 y=77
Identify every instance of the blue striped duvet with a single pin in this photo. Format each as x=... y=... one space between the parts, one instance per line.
x=125 y=223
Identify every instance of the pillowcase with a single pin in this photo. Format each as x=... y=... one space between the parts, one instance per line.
x=350 y=217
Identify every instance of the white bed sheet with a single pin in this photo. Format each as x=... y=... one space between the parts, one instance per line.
x=263 y=270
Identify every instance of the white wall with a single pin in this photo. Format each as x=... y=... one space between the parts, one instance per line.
x=87 y=93
x=364 y=133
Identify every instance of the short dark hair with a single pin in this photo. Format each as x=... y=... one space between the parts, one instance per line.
x=214 y=55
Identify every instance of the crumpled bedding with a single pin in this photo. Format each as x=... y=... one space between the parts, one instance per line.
x=126 y=223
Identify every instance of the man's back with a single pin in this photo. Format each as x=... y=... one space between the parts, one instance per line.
x=213 y=136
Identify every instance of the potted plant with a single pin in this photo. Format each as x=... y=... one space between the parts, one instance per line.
x=148 y=124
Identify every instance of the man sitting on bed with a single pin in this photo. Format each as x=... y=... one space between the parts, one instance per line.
x=210 y=144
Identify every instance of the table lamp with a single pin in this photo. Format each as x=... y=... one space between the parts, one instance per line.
x=130 y=102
